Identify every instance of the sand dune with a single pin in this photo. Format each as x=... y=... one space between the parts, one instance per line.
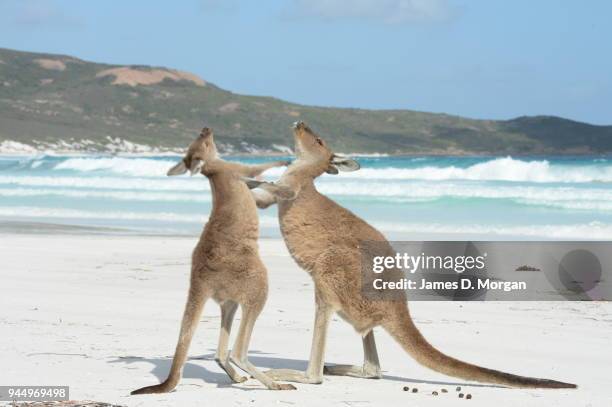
x=133 y=77
x=52 y=64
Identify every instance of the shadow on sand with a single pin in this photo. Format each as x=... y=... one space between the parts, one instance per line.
x=161 y=367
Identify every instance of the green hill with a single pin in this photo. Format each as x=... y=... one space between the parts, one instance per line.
x=59 y=101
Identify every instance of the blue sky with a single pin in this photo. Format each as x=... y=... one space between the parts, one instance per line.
x=483 y=59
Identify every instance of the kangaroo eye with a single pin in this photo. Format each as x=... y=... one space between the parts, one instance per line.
x=319 y=141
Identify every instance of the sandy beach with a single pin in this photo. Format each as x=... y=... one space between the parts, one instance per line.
x=100 y=313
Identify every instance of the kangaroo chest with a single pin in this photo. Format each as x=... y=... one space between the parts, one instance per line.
x=303 y=234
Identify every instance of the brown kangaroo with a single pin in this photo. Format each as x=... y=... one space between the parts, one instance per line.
x=324 y=239
x=225 y=264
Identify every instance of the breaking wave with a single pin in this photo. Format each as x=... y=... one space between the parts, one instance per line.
x=139 y=167
x=498 y=169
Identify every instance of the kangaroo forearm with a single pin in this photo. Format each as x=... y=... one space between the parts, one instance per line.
x=263 y=199
x=257 y=169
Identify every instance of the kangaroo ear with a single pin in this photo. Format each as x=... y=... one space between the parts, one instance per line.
x=331 y=169
x=178 y=169
x=252 y=183
x=281 y=192
x=344 y=163
x=196 y=167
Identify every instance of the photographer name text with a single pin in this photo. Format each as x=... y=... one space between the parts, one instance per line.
x=461 y=284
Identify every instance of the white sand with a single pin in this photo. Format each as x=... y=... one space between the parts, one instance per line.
x=101 y=314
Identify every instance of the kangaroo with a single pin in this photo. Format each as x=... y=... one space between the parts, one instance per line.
x=225 y=264
x=324 y=239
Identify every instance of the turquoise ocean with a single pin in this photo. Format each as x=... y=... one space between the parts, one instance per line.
x=408 y=198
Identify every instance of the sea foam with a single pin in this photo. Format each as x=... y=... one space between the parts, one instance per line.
x=499 y=169
x=139 y=167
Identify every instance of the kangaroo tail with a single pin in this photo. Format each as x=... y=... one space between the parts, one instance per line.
x=164 y=387
x=193 y=310
x=410 y=338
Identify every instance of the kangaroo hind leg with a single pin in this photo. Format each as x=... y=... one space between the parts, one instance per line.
x=314 y=373
x=371 y=365
x=240 y=351
x=228 y=310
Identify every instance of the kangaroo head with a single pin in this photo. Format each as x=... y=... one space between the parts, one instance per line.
x=200 y=151
x=312 y=151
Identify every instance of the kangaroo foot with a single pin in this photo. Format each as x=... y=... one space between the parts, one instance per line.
x=290 y=375
x=363 y=372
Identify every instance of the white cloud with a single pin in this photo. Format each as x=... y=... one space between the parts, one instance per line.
x=42 y=13
x=385 y=11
